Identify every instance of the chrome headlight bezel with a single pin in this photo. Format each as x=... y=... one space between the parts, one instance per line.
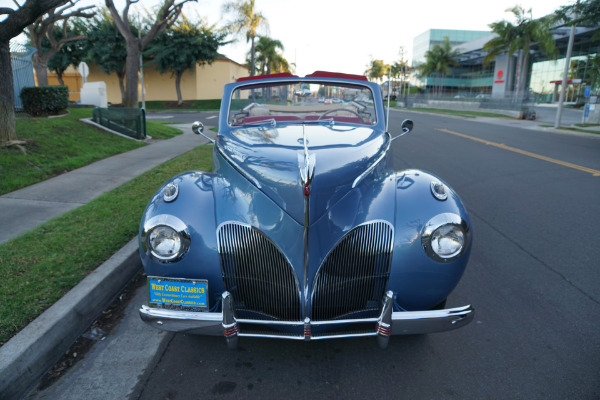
x=451 y=223
x=178 y=227
x=439 y=190
x=171 y=192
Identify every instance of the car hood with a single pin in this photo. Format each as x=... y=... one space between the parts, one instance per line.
x=274 y=158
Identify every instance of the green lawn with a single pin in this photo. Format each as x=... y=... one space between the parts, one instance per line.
x=58 y=145
x=40 y=266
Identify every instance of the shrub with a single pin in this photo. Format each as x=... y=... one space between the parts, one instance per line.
x=45 y=100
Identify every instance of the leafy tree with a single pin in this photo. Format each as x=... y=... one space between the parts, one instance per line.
x=16 y=20
x=376 y=70
x=246 y=21
x=44 y=29
x=181 y=47
x=165 y=17
x=593 y=72
x=521 y=37
x=106 y=46
x=72 y=53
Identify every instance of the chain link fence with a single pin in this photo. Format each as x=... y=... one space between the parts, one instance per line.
x=22 y=70
x=521 y=106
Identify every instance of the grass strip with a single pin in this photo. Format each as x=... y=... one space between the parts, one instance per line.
x=460 y=113
x=40 y=266
x=189 y=105
x=58 y=145
x=573 y=129
x=564 y=128
x=161 y=130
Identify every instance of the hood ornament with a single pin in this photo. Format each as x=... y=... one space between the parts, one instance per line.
x=306 y=164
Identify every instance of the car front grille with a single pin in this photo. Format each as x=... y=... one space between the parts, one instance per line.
x=354 y=275
x=257 y=274
x=350 y=283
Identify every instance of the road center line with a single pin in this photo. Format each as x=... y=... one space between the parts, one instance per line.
x=526 y=153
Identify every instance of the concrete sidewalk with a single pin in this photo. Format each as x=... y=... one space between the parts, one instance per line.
x=27 y=356
x=27 y=208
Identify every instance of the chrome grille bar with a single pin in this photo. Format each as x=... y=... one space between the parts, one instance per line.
x=257 y=274
x=354 y=275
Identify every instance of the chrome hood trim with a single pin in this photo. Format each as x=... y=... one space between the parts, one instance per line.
x=270 y=159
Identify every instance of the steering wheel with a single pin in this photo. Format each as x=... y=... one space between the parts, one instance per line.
x=362 y=121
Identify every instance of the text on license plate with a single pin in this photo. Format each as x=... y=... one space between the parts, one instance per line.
x=183 y=293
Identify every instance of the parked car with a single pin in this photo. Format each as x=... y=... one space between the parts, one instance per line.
x=304 y=230
x=304 y=92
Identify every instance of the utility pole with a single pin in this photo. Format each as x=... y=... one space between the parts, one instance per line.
x=565 y=74
x=141 y=67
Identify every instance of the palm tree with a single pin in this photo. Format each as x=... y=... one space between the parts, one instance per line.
x=505 y=42
x=267 y=56
x=376 y=70
x=438 y=62
x=520 y=38
x=247 y=21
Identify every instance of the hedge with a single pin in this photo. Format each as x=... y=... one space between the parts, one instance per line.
x=45 y=100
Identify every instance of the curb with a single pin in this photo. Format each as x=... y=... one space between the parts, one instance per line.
x=26 y=357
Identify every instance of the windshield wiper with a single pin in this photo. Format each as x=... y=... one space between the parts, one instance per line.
x=329 y=121
x=270 y=121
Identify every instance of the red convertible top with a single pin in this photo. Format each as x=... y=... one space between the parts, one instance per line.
x=316 y=74
x=279 y=75
x=325 y=74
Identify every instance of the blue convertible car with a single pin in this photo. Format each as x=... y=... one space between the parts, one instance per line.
x=304 y=230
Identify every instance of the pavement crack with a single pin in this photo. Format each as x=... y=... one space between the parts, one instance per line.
x=536 y=258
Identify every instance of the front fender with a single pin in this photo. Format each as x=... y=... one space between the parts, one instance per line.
x=418 y=281
x=195 y=207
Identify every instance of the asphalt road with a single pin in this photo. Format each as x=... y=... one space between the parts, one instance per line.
x=533 y=278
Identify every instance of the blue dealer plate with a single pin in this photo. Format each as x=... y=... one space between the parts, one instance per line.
x=184 y=293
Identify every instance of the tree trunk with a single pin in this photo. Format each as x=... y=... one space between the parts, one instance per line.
x=121 y=76
x=178 y=75
x=523 y=75
x=509 y=75
x=518 y=77
x=132 y=66
x=8 y=131
x=40 y=67
x=252 y=70
x=59 y=75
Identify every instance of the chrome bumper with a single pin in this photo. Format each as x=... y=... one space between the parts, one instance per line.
x=388 y=323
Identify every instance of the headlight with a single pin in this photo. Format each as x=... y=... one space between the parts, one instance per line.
x=165 y=238
x=164 y=242
x=446 y=237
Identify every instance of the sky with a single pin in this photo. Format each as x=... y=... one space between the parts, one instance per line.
x=344 y=35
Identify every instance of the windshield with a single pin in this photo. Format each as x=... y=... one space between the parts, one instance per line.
x=302 y=102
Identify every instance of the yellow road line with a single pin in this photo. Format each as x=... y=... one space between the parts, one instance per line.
x=526 y=153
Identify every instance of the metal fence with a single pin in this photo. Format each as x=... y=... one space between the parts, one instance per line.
x=22 y=70
x=514 y=106
x=128 y=121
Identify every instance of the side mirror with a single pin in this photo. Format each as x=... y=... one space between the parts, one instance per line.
x=407 y=126
x=198 y=129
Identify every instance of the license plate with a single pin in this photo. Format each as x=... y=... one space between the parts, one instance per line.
x=179 y=293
